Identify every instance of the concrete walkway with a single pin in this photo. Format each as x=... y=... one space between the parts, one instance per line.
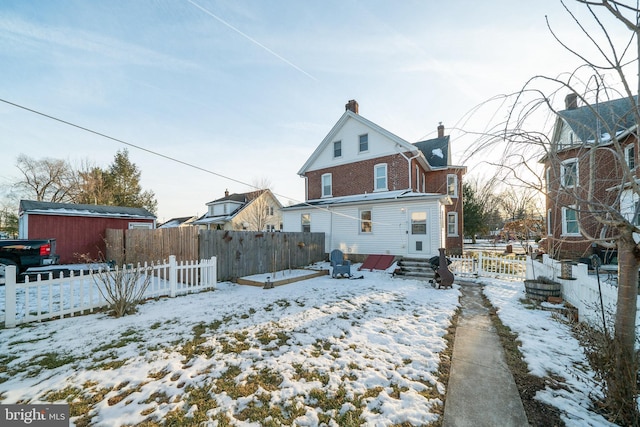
x=481 y=390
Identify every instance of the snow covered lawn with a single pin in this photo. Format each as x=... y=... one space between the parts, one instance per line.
x=315 y=351
x=550 y=351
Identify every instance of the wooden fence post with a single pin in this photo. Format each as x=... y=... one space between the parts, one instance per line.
x=10 y=296
x=173 y=276
x=480 y=270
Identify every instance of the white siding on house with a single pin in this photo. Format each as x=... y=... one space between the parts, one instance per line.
x=390 y=226
x=349 y=134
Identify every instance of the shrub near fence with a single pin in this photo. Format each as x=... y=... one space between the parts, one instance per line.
x=48 y=297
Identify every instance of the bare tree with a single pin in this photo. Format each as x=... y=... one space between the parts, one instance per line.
x=590 y=173
x=50 y=180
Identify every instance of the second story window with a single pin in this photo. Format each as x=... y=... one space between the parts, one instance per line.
x=630 y=156
x=364 y=143
x=326 y=185
x=337 y=149
x=380 y=174
x=452 y=185
x=569 y=173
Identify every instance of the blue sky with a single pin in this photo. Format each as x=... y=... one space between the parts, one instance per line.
x=247 y=89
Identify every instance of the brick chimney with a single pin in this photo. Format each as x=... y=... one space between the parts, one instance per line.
x=440 y=130
x=571 y=101
x=226 y=193
x=352 y=105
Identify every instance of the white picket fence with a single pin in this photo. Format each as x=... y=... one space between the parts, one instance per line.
x=489 y=266
x=48 y=297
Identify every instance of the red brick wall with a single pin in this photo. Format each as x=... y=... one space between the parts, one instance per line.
x=358 y=178
x=608 y=174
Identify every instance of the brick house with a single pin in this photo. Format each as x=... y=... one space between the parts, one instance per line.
x=568 y=166
x=372 y=192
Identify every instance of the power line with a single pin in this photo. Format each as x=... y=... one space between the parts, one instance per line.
x=164 y=156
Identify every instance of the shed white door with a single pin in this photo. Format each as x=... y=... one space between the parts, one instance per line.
x=419 y=243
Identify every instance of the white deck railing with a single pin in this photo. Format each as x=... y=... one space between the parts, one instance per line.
x=48 y=297
x=489 y=266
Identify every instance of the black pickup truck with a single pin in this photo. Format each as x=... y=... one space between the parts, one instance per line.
x=26 y=253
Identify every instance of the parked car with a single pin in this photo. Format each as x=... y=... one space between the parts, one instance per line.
x=24 y=254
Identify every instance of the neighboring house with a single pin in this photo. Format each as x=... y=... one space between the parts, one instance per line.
x=578 y=131
x=79 y=230
x=254 y=211
x=372 y=192
x=183 y=221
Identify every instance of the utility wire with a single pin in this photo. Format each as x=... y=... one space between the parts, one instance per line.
x=164 y=156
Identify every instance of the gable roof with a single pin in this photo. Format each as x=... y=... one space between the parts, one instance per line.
x=242 y=199
x=239 y=197
x=436 y=151
x=73 y=209
x=350 y=115
x=609 y=118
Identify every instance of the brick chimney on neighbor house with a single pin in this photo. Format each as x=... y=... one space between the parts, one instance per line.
x=571 y=101
x=440 y=130
x=352 y=105
x=226 y=193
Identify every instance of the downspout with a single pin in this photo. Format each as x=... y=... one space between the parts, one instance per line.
x=408 y=163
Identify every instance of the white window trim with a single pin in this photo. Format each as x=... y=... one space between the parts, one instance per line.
x=140 y=226
x=455 y=186
x=562 y=172
x=375 y=177
x=359 y=146
x=361 y=221
x=626 y=155
x=453 y=215
x=333 y=147
x=549 y=229
x=302 y=222
x=326 y=175
x=564 y=220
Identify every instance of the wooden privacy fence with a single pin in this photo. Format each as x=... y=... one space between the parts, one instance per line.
x=239 y=253
x=243 y=253
x=51 y=297
x=140 y=245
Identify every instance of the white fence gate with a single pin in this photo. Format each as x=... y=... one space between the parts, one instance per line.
x=48 y=298
x=489 y=266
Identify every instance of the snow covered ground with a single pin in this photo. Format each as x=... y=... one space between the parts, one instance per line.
x=334 y=351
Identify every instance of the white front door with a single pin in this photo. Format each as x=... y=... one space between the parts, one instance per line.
x=419 y=243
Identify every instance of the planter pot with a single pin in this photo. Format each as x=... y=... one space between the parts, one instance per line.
x=541 y=290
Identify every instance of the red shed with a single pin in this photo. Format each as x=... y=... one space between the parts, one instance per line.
x=78 y=229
